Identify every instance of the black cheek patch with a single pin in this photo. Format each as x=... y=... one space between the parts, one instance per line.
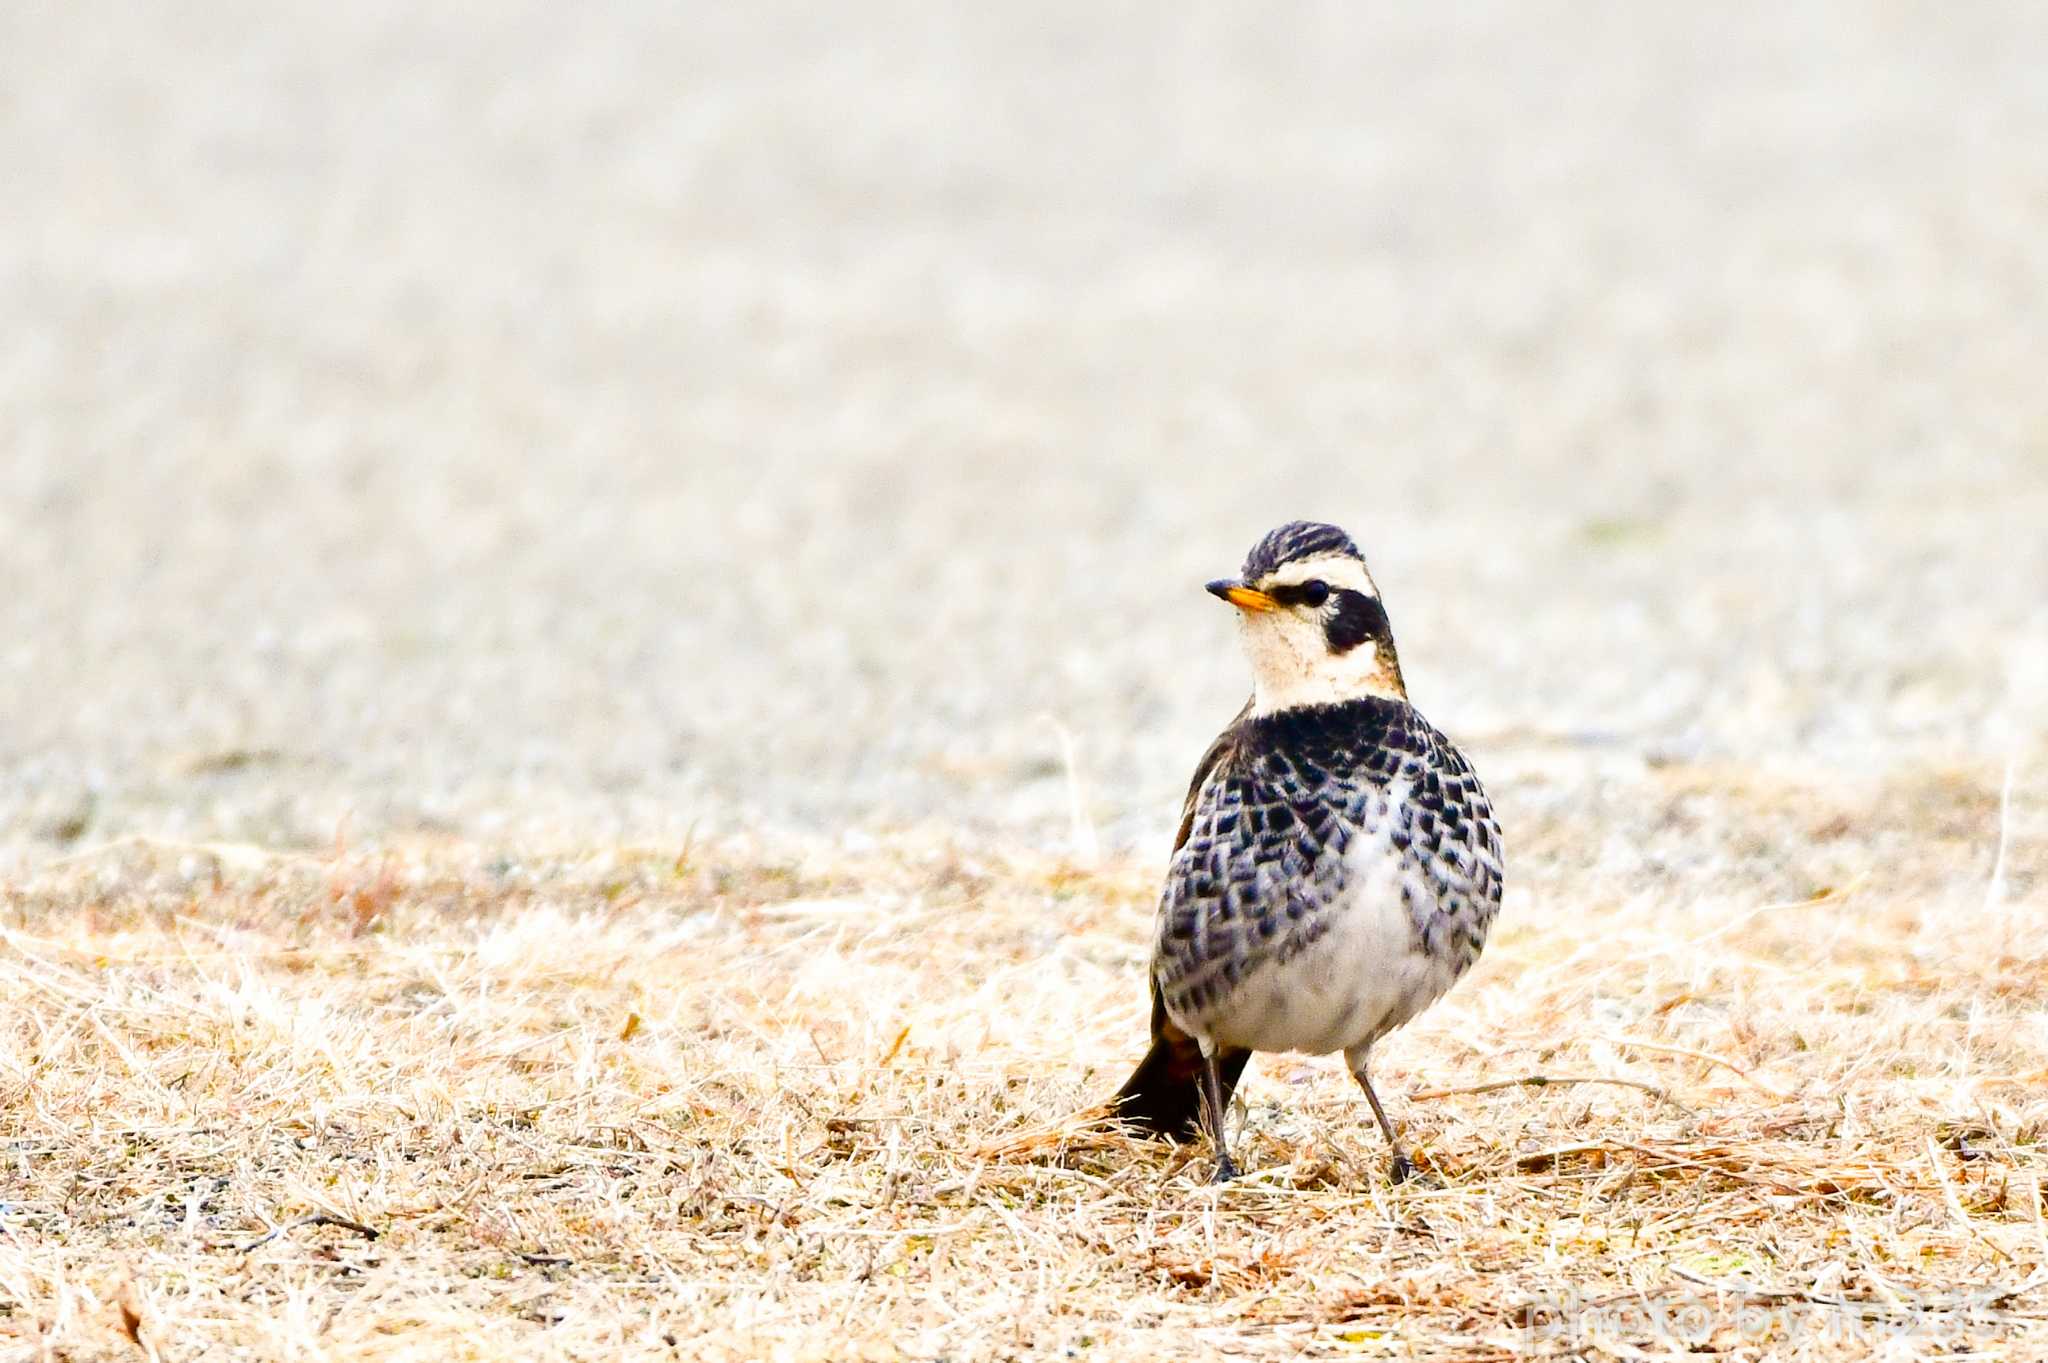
x=1358 y=618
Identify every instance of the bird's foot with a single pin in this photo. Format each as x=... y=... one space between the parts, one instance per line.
x=1401 y=1170
x=1225 y=1169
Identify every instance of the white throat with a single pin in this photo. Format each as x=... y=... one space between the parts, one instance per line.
x=1289 y=671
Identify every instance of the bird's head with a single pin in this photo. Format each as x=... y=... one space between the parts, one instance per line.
x=1313 y=624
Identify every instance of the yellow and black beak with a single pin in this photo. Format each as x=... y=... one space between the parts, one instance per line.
x=1243 y=597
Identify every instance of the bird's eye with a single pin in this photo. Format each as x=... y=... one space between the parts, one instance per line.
x=1314 y=593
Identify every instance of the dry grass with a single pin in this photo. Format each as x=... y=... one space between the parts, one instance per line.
x=716 y=1104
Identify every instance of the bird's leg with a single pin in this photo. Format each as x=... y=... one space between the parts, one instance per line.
x=1212 y=1108
x=1401 y=1168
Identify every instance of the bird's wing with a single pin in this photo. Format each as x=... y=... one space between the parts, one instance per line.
x=1448 y=836
x=1163 y=1095
x=1217 y=755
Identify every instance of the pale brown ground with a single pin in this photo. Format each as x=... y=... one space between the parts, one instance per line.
x=695 y=1100
x=705 y=508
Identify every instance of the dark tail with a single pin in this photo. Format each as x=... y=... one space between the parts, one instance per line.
x=1163 y=1097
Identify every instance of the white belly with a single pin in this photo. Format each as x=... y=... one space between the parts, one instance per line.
x=1366 y=975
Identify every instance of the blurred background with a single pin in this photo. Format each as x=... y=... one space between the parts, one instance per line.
x=524 y=423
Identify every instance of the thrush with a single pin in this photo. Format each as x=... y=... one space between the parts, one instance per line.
x=1337 y=865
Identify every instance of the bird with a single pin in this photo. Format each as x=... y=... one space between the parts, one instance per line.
x=1337 y=866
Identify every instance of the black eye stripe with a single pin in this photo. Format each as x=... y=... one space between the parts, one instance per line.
x=1358 y=617
x=1310 y=593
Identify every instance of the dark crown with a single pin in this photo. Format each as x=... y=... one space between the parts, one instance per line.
x=1296 y=539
